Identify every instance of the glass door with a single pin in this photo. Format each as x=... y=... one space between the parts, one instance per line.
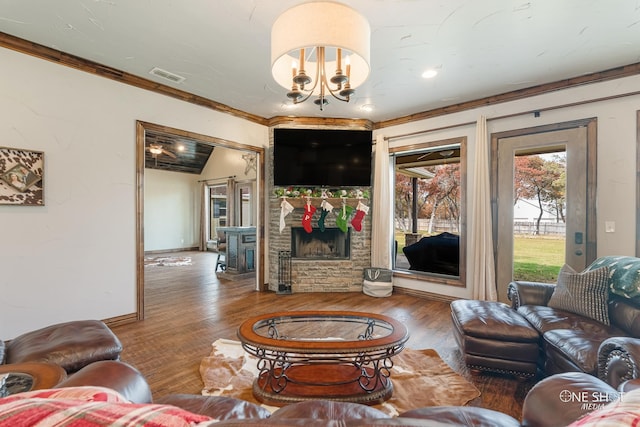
x=544 y=208
x=217 y=209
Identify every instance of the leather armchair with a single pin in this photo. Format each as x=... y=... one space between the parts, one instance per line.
x=116 y=375
x=560 y=399
x=71 y=345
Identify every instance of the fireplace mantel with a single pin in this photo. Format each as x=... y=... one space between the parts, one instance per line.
x=336 y=202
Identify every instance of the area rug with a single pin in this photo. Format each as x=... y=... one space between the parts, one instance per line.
x=167 y=261
x=420 y=378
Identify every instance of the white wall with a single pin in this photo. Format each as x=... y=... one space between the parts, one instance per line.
x=227 y=162
x=171 y=210
x=172 y=200
x=616 y=122
x=74 y=258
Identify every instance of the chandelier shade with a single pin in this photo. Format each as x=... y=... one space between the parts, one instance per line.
x=320 y=49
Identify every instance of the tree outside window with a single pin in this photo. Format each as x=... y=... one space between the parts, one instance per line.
x=428 y=211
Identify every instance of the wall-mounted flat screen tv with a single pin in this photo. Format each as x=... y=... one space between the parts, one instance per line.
x=322 y=157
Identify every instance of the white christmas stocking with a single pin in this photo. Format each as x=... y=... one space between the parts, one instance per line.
x=285 y=209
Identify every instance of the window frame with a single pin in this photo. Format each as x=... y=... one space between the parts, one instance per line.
x=460 y=280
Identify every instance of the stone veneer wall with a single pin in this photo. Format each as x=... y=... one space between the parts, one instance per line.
x=318 y=275
x=315 y=275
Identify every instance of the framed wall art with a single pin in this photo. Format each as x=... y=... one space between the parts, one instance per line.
x=21 y=177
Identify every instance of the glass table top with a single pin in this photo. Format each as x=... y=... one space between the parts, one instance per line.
x=317 y=332
x=323 y=327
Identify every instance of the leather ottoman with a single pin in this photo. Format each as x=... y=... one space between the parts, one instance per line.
x=495 y=338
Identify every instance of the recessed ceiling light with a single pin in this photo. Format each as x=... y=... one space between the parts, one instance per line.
x=429 y=74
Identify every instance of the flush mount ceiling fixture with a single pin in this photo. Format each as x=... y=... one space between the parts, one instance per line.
x=310 y=45
x=157 y=149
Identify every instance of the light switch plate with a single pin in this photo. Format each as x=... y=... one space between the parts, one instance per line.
x=609 y=226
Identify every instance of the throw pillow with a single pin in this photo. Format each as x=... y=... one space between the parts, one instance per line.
x=624 y=275
x=583 y=293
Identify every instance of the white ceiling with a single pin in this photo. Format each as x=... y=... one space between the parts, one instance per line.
x=222 y=47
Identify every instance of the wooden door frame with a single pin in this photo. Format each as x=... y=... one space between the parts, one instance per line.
x=591 y=156
x=638 y=183
x=141 y=127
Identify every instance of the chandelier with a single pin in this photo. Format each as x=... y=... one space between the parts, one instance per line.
x=320 y=49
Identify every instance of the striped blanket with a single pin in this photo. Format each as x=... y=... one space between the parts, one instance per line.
x=90 y=407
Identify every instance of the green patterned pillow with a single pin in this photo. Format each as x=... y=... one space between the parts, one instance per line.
x=583 y=293
x=624 y=275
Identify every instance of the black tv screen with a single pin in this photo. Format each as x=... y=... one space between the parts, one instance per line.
x=322 y=157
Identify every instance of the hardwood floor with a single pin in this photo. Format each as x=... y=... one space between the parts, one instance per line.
x=188 y=307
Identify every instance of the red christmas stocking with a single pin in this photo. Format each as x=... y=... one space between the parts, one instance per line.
x=361 y=211
x=306 y=218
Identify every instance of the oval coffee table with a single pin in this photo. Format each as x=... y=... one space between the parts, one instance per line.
x=336 y=355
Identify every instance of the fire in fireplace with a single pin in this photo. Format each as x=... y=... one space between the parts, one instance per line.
x=332 y=243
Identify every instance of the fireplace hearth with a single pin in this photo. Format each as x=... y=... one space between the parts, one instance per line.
x=330 y=244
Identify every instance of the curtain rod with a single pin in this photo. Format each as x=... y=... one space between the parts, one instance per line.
x=522 y=113
x=215 y=179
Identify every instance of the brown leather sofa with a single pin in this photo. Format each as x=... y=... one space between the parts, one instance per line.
x=71 y=345
x=543 y=406
x=575 y=343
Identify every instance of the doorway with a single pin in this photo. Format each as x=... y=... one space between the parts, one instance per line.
x=553 y=168
x=256 y=153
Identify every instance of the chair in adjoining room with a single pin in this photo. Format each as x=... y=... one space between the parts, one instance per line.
x=221 y=247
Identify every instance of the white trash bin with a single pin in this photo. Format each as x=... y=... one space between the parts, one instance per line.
x=378 y=282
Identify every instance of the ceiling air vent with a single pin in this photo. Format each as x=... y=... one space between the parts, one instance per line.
x=167 y=75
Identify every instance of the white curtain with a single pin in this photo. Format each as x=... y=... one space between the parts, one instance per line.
x=381 y=216
x=231 y=203
x=204 y=213
x=481 y=239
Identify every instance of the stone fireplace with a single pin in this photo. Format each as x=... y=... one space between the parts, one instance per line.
x=328 y=244
x=323 y=268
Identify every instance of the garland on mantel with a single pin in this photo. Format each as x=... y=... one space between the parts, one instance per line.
x=343 y=214
x=302 y=192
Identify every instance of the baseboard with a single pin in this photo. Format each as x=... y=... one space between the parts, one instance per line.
x=423 y=294
x=121 y=320
x=165 y=251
